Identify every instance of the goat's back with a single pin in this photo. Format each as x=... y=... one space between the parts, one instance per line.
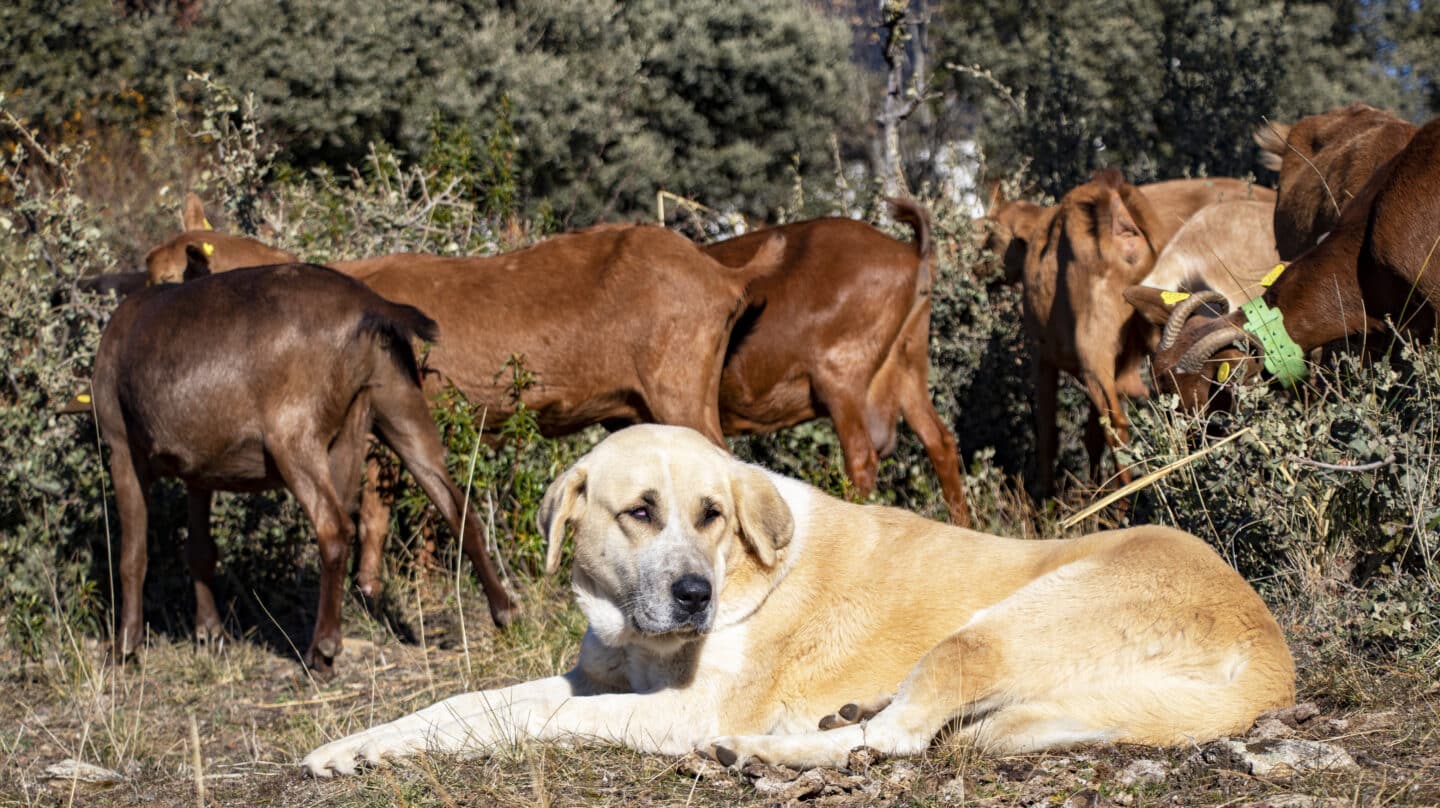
x=1226 y=247
x=1325 y=161
x=197 y=376
x=603 y=319
x=840 y=295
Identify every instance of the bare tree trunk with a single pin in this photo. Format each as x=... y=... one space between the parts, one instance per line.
x=896 y=19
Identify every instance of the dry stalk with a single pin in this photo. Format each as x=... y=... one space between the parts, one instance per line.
x=1148 y=479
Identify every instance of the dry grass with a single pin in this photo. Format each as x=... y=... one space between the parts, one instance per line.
x=182 y=724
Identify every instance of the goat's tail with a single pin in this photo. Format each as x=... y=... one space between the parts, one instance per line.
x=399 y=325
x=913 y=214
x=1271 y=138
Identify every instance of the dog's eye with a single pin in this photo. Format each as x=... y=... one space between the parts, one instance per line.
x=710 y=514
x=640 y=513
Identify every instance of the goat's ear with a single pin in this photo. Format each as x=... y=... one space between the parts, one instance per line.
x=194 y=216
x=1125 y=235
x=1151 y=303
x=557 y=511
x=766 y=524
x=197 y=260
x=1272 y=138
x=994 y=198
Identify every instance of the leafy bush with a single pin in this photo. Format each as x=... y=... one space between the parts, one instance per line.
x=1368 y=522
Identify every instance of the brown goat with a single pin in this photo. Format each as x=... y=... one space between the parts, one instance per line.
x=616 y=324
x=258 y=379
x=1374 y=266
x=841 y=329
x=1323 y=161
x=1227 y=247
x=1103 y=237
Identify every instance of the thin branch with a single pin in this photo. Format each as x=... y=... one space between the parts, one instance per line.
x=1378 y=464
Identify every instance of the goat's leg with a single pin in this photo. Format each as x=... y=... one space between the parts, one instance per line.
x=200 y=556
x=130 y=483
x=305 y=468
x=403 y=423
x=1047 y=381
x=1094 y=443
x=862 y=462
x=920 y=414
x=374 y=526
x=1105 y=403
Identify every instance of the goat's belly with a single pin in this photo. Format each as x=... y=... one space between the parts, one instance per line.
x=242 y=466
x=745 y=412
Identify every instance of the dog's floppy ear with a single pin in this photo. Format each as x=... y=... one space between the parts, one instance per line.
x=557 y=511
x=765 y=520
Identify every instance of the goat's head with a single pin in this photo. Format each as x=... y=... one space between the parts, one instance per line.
x=1009 y=231
x=1197 y=357
x=200 y=250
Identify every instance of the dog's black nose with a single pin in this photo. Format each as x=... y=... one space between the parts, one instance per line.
x=691 y=593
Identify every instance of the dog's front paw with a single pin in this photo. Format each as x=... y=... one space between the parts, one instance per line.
x=803 y=751
x=730 y=751
x=336 y=757
x=370 y=748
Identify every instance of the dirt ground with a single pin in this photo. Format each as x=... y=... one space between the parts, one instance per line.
x=183 y=725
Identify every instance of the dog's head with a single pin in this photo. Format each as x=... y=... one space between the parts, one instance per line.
x=672 y=535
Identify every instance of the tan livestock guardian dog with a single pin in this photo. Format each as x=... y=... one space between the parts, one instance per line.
x=732 y=610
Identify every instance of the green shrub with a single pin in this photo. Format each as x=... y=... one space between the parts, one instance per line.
x=1307 y=530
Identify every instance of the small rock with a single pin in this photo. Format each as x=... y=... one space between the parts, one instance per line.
x=862 y=758
x=1285 y=757
x=1016 y=771
x=700 y=767
x=1143 y=771
x=70 y=769
x=1293 y=716
x=810 y=784
x=1379 y=720
x=1267 y=728
x=902 y=774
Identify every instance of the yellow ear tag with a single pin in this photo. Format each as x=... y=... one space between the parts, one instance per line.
x=1171 y=298
x=1272 y=275
x=207 y=248
x=1224 y=372
x=205 y=224
x=83 y=398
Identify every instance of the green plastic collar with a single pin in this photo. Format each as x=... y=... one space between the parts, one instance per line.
x=1283 y=358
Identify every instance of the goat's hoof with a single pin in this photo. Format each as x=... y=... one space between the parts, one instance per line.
x=370 y=587
x=320 y=666
x=505 y=615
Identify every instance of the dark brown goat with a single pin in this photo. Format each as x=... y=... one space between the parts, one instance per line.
x=1323 y=161
x=258 y=379
x=841 y=329
x=1376 y=265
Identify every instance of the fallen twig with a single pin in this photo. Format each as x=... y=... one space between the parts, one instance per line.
x=1378 y=464
x=1136 y=485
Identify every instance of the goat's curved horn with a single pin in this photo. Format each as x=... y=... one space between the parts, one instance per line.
x=1182 y=312
x=1210 y=344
